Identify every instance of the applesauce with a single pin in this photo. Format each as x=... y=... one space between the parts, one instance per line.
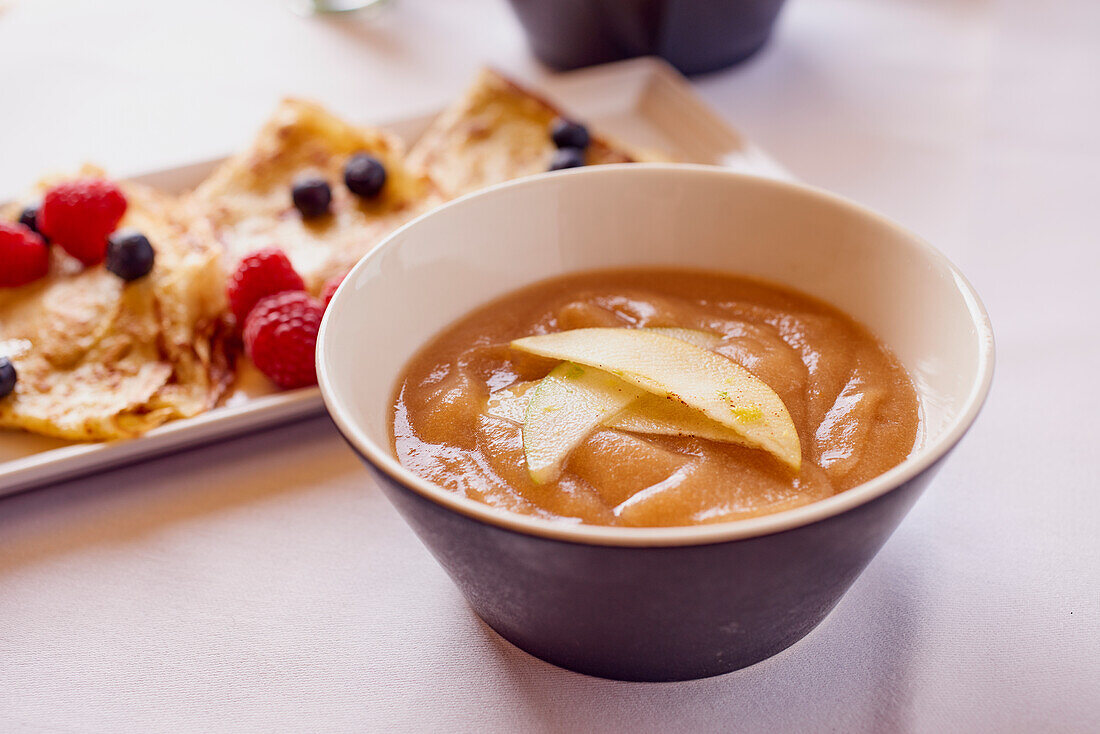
x=851 y=403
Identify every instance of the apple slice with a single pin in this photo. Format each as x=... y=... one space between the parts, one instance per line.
x=660 y=416
x=670 y=367
x=568 y=404
x=649 y=414
x=704 y=339
x=664 y=416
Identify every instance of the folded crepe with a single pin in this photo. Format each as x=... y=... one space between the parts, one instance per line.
x=101 y=358
x=247 y=200
x=499 y=131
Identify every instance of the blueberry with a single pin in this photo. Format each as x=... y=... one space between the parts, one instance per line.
x=7 y=377
x=566 y=158
x=29 y=219
x=364 y=175
x=129 y=254
x=312 y=196
x=569 y=134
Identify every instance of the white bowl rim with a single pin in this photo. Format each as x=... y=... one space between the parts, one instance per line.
x=689 y=535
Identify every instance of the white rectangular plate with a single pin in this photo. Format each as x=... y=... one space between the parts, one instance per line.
x=641 y=101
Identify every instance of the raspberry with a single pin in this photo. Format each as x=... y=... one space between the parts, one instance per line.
x=79 y=214
x=24 y=256
x=280 y=336
x=261 y=273
x=330 y=288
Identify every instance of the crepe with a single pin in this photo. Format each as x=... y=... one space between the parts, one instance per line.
x=99 y=358
x=247 y=200
x=496 y=132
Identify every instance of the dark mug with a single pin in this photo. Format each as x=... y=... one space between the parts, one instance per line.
x=695 y=36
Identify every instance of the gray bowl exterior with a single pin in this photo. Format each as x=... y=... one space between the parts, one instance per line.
x=654 y=613
x=695 y=36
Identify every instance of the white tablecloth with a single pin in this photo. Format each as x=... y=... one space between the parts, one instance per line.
x=266 y=585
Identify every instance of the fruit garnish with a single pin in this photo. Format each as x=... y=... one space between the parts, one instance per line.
x=29 y=218
x=649 y=414
x=79 y=214
x=24 y=256
x=280 y=337
x=8 y=377
x=566 y=158
x=569 y=134
x=658 y=416
x=702 y=339
x=262 y=273
x=311 y=196
x=510 y=402
x=364 y=175
x=129 y=254
x=672 y=368
x=566 y=406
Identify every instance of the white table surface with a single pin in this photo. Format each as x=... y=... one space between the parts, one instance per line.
x=266 y=585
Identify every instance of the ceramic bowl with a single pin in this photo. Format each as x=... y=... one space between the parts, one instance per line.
x=695 y=36
x=654 y=603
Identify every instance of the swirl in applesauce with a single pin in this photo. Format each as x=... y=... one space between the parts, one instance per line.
x=853 y=405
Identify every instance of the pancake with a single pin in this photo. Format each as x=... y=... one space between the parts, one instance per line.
x=99 y=358
x=499 y=131
x=247 y=200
